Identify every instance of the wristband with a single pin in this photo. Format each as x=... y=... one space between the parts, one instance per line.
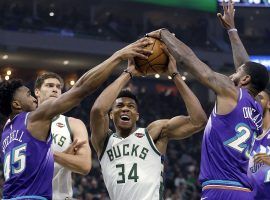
x=130 y=74
x=174 y=74
x=232 y=30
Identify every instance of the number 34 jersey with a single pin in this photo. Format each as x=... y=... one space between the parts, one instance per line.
x=132 y=167
x=226 y=143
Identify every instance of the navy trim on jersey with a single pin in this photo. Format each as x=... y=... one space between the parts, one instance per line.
x=110 y=133
x=151 y=142
x=69 y=129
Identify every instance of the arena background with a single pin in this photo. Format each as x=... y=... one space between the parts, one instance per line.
x=69 y=37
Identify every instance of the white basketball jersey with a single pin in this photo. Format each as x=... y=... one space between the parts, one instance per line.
x=62 y=182
x=132 y=167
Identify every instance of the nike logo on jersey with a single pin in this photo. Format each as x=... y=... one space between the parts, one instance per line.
x=139 y=135
x=60 y=125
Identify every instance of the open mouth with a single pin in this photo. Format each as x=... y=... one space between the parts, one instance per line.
x=125 y=118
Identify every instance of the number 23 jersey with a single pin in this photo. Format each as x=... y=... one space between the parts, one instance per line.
x=227 y=140
x=132 y=167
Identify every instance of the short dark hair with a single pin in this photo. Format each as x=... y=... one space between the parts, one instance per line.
x=7 y=90
x=40 y=79
x=267 y=91
x=259 y=75
x=127 y=93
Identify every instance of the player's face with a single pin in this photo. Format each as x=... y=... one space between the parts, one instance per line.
x=264 y=99
x=124 y=113
x=238 y=75
x=51 y=88
x=24 y=99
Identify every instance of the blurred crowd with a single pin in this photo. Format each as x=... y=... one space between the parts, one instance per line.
x=157 y=100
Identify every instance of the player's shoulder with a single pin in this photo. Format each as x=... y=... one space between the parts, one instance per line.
x=73 y=120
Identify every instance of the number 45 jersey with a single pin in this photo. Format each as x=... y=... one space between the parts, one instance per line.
x=132 y=167
x=226 y=144
x=28 y=162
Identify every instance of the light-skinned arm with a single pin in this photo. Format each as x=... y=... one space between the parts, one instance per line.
x=80 y=161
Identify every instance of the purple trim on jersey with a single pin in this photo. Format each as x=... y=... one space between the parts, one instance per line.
x=225 y=194
x=259 y=173
x=227 y=140
x=28 y=162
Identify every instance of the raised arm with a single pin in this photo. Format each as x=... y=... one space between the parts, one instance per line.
x=221 y=84
x=92 y=79
x=99 y=120
x=80 y=162
x=178 y=127
x=240 y=55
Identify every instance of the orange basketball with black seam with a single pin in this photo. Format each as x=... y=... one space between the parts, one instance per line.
x=156 y=63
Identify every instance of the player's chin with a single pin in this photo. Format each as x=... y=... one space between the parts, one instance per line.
x=125 y=125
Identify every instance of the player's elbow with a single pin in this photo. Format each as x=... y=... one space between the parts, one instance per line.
x=97 y=111
x=85 y=169
x=200 y=122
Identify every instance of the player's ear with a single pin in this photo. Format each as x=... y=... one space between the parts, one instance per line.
x=37 y=91
x=268 y=104
x=111 y=115
x=16 y=105
x=137 y=117
x=245 y=80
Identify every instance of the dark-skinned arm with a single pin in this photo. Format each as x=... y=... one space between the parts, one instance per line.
x=92 y=79
x=99 y=120
x=240 y=55
x=220 y=83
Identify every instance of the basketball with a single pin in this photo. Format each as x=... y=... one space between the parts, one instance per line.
x=156 y=63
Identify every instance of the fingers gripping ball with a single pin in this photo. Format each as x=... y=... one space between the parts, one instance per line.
x=156 y=63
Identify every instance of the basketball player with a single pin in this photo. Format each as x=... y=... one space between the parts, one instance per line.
x=232 y=126
x=132 y=158
x=64 y=131
x=258 y=171
x=26 y=140
x=259 y=163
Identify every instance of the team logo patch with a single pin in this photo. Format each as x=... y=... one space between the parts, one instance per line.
x=60 y=125
x=139 y=135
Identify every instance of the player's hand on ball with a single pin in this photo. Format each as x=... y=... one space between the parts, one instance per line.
x=262 y=158
x=156 y=34
x=135 y=49
x=172 y=67
x=132 y=68
x=227 y=19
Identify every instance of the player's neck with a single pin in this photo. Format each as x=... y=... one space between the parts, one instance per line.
x=125 y=132
x=13 y=114
x=252 y=92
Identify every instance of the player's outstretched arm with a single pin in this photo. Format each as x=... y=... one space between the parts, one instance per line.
x=99 y=120
x=80 y=161
x=240 y=55
x=221 y=84
x=92 y=79
x=181 y=126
